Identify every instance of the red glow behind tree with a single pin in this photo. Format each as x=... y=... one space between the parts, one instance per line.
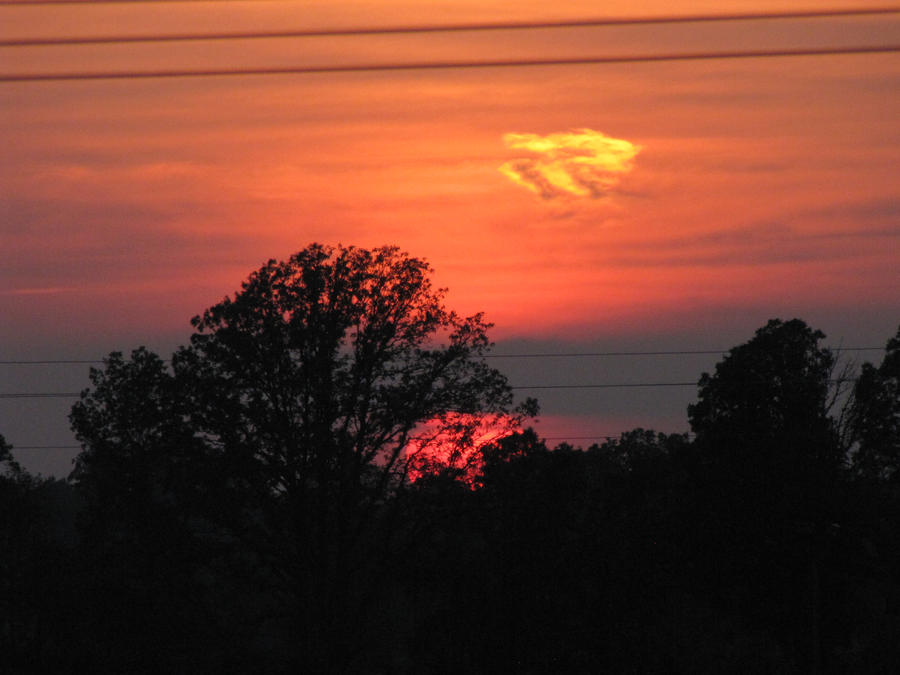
x=452 y=443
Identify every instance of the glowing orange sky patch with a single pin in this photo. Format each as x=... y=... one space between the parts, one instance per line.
x=454 y=443
x=579 y=163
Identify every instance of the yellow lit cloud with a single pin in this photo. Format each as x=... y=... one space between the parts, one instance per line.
x=579 y=163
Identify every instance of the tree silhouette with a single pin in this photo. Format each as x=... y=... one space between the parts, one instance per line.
x=290 y=418
x=250 y=506
x=324 y=368
x=771 y=486
x=875 y=416
x=39 y=593
x=141 y=476
x=874 y=515
x=139 y=449
x=764 y=417
x=20 y=543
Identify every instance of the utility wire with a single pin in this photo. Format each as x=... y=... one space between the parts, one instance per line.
x=443 y=65
x=38 y=3
x=616 y=385
x=534 y=355
x=74 y=394
x=543 y=438
x=572 y=438
x=41 y=3
x=682 y=352
x=559 y=438
x=50 y=394
x=444 y=28
x=49 y=362
x=132 y=2
x=624 y=385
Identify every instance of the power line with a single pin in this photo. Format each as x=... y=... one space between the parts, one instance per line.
x=617 y=385
x=681 y=352
x=543 y=438
x=625 y=385
x=443 y=65
x=745 y=15
x=444 y=28
x=50 y=362
x=603 y=385
x=50 y=394
x=564 y=438
x=577 y=438
x=533 y=355
x=128 y=2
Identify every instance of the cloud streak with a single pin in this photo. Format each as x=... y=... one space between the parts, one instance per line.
x=578 y=163
x=50 y=290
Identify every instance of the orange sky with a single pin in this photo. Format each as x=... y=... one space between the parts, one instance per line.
x=762 y=187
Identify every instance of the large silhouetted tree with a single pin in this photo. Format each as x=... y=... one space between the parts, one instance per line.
x=140 y=450
x=294 y=411
x=20 y=536
x=141 y=476
x=38 y=599
x=764 y=416
x=874 y=513
x=775 y=385
x=875 y=417
x=323 y=369
x=250 y=507
x=772 y=480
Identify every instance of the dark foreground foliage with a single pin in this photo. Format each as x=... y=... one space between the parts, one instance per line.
x=766 y=542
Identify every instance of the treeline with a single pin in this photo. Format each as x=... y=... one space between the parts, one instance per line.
x=249 y=508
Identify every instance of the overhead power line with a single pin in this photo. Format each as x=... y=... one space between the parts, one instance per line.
x=532 y=355
x=74 y=394
x=544 y=438
x=50 y=394
x=626 y=385
x=680 y=352
x=443 y=28
x=595 y=437
x=41 y=3
x=602 y=385
x=134 y=2
x=838 y=11
x=575 y=438
x=442 y=65
x=618 y=385
x=49 y=362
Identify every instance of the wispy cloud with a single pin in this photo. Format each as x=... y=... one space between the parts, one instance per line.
x=50 y=290
x=578 y=163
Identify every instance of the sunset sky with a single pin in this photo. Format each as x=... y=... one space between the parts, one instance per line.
x=618 y=207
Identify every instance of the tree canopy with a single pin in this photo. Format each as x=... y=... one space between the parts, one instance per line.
x=766 y=411
x=324 y=368
x=307 y=487
x=875 y=416
x=299 y=408
x=777 y=382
